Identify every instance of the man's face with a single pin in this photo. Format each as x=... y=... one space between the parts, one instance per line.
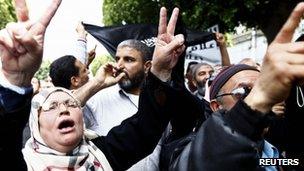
x=131 y=62
x=245 y=78
x=83 y=74
x=202 y=74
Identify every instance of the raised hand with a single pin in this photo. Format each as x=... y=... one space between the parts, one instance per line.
x=283 y=66
x=168 y=46
x=220 y=39
x=221 y=42
x=107 y=75
x=21 y=44
x=82 y=33
x=92 y=55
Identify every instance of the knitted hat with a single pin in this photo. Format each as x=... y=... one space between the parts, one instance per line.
x=225 y=75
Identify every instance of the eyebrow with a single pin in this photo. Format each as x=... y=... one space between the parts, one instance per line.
x=51 y=101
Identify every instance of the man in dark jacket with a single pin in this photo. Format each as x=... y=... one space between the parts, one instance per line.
x=230 y=140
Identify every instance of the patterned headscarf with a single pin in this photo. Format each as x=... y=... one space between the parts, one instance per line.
x=39 y=156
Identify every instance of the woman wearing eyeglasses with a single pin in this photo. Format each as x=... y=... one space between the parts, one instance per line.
x=59 y=141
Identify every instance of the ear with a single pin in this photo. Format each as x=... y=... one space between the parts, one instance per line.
x=215 y=106
x=147 y=66
x=74 y=81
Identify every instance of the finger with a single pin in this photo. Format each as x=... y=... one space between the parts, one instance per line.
x=278 y=108
x=7 y=41
x=286 y=33
x=294 y=58
x=31 y=45
x=16 y=30
x=119 y=76
x=172 y=22
x=92 y=54
x=113 y=64
x=176 y=43
x=28 y=24
x=3 y=42
x=181 y=49
x=112 y=68
x=297 y=72
x=109 y=67
x=50 y=12
x=219 y=36
x=295 y=47
x=162 y=26
x=94 y=49
x=159 y=42
x=21 y=10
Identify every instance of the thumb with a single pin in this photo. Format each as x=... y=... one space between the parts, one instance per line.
x=120 y=76
x=177 y=42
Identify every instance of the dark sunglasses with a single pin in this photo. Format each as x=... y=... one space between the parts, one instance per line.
x=239 y=93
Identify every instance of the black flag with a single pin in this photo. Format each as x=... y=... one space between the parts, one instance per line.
x=111 y=36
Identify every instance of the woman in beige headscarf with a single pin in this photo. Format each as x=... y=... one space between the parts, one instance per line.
x=57 y=135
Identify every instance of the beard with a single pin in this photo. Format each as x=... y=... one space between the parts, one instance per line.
x=128 y=83
x=201 y=87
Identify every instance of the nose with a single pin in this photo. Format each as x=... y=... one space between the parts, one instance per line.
x=63 y=109
x=120 y=63
x=207 y=76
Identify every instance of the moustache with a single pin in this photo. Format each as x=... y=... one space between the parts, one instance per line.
x=120 y=70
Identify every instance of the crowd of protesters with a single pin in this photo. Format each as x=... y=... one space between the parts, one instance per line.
x=135 y=115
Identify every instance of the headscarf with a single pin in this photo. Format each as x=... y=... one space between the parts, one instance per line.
x=39 y=156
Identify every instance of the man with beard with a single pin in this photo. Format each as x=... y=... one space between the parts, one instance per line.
x=112 y=105
x=201 y=72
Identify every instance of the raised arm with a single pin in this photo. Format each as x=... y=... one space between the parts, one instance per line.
x=80 y=51
x=221 y=42
x=282 y=67
x=21 y=44
x=106 y=76
x=168 y=46
x=239 y=131
x=21 y=47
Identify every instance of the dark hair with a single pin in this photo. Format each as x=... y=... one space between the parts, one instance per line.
x=62 y=70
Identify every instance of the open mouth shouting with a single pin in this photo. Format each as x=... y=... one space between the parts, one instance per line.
x=66 y=126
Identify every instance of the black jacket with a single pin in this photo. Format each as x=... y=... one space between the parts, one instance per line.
x=14 y=114
x=226 y=141
x=124 y=145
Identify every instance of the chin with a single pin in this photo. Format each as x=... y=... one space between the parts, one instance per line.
x=70 y=139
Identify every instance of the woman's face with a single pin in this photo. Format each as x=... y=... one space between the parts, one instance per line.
x=61 y=122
